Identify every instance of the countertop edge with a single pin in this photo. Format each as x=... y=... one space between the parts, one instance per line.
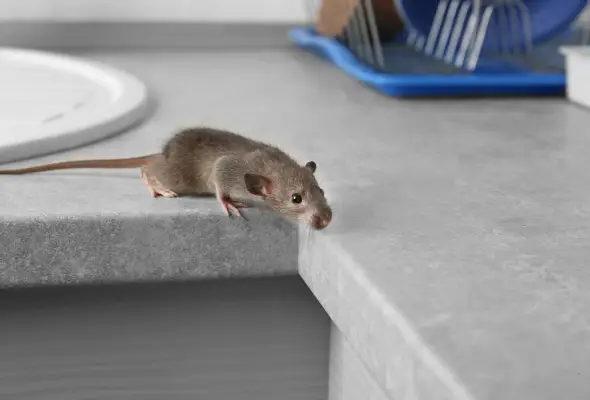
x=143 y=247
x=102 y=248
x=400 y=361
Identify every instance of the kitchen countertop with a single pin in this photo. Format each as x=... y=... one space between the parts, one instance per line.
x=456 y=261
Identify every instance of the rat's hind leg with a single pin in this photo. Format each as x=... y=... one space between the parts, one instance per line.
x=154 y=186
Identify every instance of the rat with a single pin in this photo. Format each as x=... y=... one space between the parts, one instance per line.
x=240 y=172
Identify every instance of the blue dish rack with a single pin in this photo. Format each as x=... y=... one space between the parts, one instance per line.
x=408 y=73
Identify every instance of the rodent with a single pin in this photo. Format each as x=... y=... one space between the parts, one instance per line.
x=237 y=170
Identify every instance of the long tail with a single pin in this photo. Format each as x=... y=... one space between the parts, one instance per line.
x=134 y=162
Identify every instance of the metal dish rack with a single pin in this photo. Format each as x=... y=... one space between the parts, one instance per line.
x=452 y=58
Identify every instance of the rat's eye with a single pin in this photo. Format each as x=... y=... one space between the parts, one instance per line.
x=296 y=198
x=322 y=191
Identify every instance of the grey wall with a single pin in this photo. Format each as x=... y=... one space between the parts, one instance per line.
x=274 y=11
x=262 y=339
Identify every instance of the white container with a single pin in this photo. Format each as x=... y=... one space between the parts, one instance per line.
x=577 y=65
x=51 y=102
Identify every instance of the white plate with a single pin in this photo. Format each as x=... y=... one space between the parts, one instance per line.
x=51 y=102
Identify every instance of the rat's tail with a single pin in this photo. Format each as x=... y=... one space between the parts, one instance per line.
x=134 y=162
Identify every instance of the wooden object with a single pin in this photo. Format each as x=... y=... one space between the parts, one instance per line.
x=334 y=15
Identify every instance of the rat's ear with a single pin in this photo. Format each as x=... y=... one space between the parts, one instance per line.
x=258 y=185
x=311 y=165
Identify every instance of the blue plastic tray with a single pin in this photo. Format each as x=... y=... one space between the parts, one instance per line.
x=409 y=73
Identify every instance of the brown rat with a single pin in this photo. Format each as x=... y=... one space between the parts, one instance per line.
x=239 y=171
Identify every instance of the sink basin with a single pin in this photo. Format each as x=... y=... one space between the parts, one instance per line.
x=51 y=102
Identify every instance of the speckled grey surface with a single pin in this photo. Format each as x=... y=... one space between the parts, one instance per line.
x=456 y=264
x=156 y=240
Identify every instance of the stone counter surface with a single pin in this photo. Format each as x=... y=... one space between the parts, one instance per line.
x=457 y=261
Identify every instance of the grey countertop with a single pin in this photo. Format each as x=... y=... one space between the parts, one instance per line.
x=456 y=263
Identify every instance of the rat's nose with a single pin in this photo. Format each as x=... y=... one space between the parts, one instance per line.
x=322 y=219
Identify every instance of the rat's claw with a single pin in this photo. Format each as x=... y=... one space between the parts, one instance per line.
x=167 y=193
x=234 y=210
x=224 y=206
x=230 y=208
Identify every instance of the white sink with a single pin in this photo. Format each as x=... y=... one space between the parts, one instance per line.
x=51 y=102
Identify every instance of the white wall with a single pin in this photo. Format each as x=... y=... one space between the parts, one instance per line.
x=278 y=11
x=288 y=11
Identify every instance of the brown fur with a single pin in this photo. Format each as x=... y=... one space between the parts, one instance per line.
x=212 y=161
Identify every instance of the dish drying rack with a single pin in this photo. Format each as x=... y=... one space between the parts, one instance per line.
x=474 y=47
